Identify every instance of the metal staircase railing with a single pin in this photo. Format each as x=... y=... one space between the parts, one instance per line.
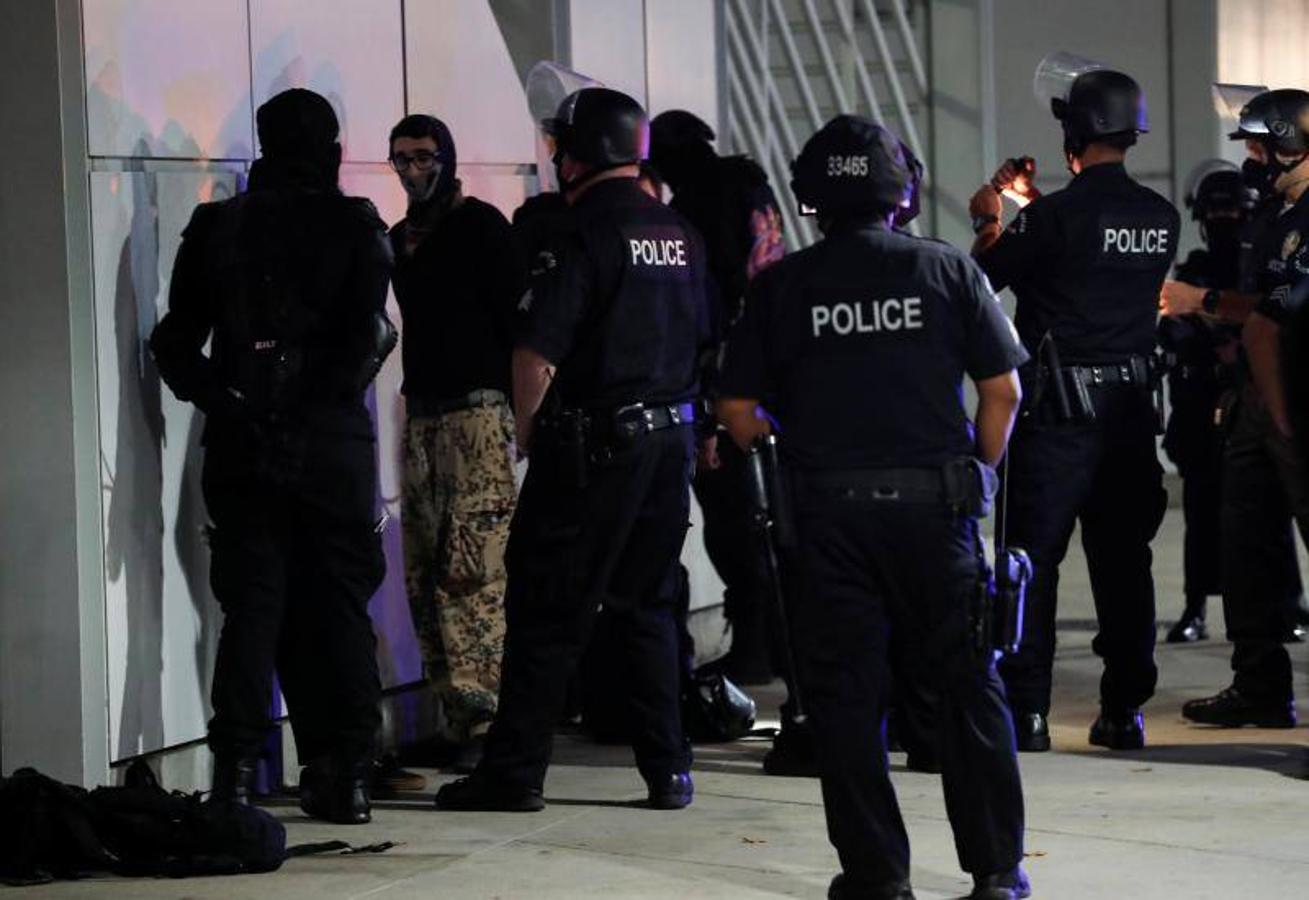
x=793 y=64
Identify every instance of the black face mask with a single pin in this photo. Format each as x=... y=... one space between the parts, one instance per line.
x=1262 y=176
x=1258 y=176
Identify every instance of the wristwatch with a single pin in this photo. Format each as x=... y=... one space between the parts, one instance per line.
x=980 y=222
x=1209 y=302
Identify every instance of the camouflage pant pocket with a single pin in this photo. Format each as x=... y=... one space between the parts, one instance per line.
x=476 y=547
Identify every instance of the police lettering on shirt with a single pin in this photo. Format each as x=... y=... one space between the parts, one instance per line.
x=1135 y=240
x=868 y=317
x=658 y=253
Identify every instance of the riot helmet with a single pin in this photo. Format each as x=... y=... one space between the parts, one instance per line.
x=1215 y=188
x=546 y=86
x=1279 y=121
x=852 y=166
x=600 y=127
x=1094 y=104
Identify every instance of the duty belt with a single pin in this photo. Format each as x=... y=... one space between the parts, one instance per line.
x=421 y=407
x=635 y=419
x=1137 y=370
x=966 y=484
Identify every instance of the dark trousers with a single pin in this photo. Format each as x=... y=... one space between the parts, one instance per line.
x=1106 y=475
x=613 y=543
x=1195 y=444
x=888 y=588
x=1264 y=487
x=734 y=547
x=293 y=571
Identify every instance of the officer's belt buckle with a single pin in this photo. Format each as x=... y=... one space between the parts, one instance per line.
x=886 y=493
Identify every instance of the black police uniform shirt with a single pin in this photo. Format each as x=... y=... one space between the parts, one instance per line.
x=622 y=307
x=1282 y=263
x=859 y=345
x=457 y=293
x=1086 y=263
x=732 y=205
x=1258 y=242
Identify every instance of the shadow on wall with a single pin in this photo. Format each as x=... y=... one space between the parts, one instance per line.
x=134 y=543
x=144 y=470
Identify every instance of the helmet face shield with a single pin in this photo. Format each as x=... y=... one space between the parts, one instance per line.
x=1202 y=171
x=1054 y=77
x=1230 y=102
x=547 y=85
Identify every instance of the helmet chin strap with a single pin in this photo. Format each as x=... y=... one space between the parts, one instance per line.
x=1283 y=183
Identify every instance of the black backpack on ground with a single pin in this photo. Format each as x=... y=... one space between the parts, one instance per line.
x=54 y=831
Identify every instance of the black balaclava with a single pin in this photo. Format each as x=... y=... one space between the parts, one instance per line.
x=436 y=185
x=298 y=133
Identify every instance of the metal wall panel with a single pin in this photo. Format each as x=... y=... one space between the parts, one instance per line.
x=167 y=78
x=608 y=42
x=460 y=70
x=350 y=51
x=161 y=620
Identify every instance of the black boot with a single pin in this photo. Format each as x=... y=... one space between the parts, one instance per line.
x=792 y=753
x=843 y=887
x=477 y=793
x=337 y=792
x=234 y=778
x=1031 y=732
x=1119 y=729
x=1232 y=709
x=1190 y=627
x=674 y=792
x=1011 y=885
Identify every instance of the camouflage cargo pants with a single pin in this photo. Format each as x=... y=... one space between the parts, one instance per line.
x=458 y=498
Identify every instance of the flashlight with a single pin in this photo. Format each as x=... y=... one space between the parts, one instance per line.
x=1021 y=190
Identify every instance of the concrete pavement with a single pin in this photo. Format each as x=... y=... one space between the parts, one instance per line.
x=1199 y=814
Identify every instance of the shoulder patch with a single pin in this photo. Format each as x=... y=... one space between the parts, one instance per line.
x=1290 y=243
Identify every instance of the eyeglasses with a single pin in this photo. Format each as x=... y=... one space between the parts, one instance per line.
x=423 y=161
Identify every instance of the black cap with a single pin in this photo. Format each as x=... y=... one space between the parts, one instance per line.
x=677 y=127
x=1280 y=118
x=679 y=146
x=296 y=122
x=601 y=127
x=1101 y=103
x=851 y=165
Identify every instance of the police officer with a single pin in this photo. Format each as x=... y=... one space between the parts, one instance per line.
x=289 y=280
x=1202 y=364
x=1086 y=264
x=615 y=328
x=857 y=347
x=1263 y=479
